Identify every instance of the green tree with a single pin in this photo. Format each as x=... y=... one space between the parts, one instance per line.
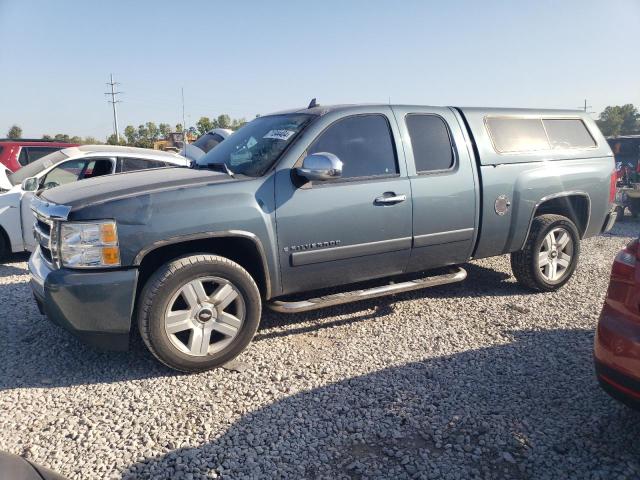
x=153 y=132
x=619 y=120
x=131 y=135
x=165 y=130
x=237 y=123
x=111 y=140
x=76 y=139
x=179 y=127
x=204 y=125
x=15 y=132
x=90 y=141
x=47 y=137
x=223 y=121
x=61 y=137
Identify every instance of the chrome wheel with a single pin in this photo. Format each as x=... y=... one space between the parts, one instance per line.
x=204 y=316
x=555 y=254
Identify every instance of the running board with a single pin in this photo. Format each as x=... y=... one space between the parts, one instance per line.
x=457 y=275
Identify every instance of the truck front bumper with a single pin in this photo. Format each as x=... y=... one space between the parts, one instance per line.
x=94 y=305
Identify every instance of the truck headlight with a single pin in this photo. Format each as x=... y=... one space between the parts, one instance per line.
x=89 y=245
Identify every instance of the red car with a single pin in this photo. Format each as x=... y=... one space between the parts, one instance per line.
x=617 y=342
x=15 y=154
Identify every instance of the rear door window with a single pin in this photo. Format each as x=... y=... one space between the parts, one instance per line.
x=430 y=142
x=363 y=143
x=23 y=157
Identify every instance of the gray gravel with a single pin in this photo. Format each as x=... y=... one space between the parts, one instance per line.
x=475 y=380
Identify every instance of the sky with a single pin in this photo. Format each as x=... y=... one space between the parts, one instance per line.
x=245 y=58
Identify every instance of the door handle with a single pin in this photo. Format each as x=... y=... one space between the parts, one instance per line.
x=390 y=199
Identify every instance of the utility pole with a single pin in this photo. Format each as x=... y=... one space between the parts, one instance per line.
x=184 y=125
x=113 y=102
x=585 y=107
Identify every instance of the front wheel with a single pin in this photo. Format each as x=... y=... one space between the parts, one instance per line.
x=198 y=312
x=550 y=255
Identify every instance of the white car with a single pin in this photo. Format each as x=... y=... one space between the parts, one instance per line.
x=58 y=168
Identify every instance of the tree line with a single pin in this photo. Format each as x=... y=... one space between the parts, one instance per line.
x=144 y=135
x=613 y=121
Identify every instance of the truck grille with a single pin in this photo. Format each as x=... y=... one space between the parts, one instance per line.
x=44 y=231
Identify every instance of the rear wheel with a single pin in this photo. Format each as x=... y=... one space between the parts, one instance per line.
x=550 y=255
x=199 y=312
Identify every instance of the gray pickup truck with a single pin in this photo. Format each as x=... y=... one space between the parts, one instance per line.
x=311 y=199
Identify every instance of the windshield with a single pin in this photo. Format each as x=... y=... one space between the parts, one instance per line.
x=207 y=141
x=36 y=167
x=256 y=146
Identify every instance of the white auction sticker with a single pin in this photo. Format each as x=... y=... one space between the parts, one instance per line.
x=279 y=134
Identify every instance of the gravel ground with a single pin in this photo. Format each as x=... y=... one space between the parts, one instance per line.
x=475 y=380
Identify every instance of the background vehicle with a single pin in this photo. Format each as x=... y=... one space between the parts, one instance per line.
x=314 y=198
x=59 y=168
x=15 y=154
x=617 y=342
x=196 y=150
x=626 y=150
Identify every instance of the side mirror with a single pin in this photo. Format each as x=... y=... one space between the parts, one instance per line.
x=30 y=184
x=320 y=166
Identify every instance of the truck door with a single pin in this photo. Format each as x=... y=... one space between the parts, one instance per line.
x=353 y=228
x=443 y=182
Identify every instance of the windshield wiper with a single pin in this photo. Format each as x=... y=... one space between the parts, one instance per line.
x=220 y=167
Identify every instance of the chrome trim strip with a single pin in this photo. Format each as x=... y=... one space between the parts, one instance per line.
x=569 y=193
x=205 y=235
x=456 y=275
x=349 y=251
x=442 y=237
x=49 y=210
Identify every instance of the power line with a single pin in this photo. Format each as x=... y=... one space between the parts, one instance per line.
x=113 y=102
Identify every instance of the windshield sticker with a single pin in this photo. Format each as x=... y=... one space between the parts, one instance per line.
x=279 y=134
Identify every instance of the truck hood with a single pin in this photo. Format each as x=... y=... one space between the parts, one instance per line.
x=120 y=185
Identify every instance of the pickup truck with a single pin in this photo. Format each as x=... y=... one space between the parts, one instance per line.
x=311 y=199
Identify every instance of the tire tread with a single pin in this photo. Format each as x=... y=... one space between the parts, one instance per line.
x=158 y=280
x=522 y=261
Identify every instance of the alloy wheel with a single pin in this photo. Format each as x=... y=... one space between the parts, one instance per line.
x=555 y=254
x=204 y=316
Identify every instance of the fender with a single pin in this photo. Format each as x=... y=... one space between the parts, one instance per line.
x=206 y=235
x=570 y=193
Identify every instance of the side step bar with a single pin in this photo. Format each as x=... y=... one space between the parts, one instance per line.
x=457 y=275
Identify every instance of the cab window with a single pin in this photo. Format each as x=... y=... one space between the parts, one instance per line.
x=74 y=170
x=363 y=143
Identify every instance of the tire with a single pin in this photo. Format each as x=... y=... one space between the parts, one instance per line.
x=634 y=207
x=525 y=263
x=5 y=247
x=197 y=298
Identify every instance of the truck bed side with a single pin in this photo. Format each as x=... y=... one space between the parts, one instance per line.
x=574 y=182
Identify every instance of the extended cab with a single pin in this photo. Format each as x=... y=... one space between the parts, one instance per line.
x=319 y=197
